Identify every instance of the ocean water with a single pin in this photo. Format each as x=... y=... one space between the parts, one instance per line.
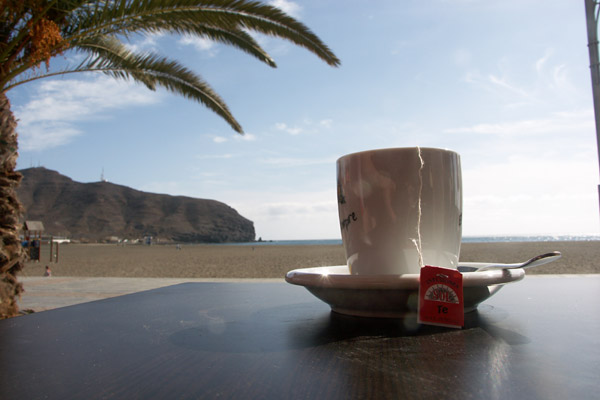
x=465 y=239
x=532 y=238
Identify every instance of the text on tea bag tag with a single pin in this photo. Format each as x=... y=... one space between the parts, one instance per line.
x=441 y=297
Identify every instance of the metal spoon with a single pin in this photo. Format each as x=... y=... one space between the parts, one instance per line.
x=532 y=262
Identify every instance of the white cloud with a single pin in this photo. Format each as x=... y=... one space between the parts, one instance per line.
x=326 y=123
x=531 y=195
x=302 y=215
x=560 y=77
x=539 y=64
x=288 y=7
x=49 y=119
x=294 y=208
x=547 y=82
x=307 y=126
x=504 y=83
x=285 y=128
x=247 y=137
x=298 y=162
x=276 y=215
x=148 y=42
x=563 y=122
x=214 y=156
x=200 y=44
x=75 y=100
x=46 y=136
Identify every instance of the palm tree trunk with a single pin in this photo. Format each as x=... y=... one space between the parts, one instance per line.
x=11 y=252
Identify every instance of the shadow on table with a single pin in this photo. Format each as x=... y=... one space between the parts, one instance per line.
x=304 y=325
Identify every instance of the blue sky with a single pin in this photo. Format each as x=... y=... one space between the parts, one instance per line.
x=504 y=83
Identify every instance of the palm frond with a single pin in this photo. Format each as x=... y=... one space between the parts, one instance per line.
x=110 y=56
x=193 y=17
x=93 y=26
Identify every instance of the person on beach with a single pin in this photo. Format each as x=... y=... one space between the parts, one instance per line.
x=48 y=272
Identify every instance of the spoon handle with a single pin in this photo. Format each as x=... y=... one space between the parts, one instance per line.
x=533 y=262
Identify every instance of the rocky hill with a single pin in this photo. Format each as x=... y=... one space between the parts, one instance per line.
x=98 y=210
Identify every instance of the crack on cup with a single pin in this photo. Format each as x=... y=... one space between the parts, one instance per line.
x=417 y=241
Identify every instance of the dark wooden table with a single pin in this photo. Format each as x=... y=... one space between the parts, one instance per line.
x=535 y=339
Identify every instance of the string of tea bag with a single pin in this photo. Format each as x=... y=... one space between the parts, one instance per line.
x=417 y=241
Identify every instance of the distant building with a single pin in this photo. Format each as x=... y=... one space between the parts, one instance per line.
x=33 y=227
x=32 y=234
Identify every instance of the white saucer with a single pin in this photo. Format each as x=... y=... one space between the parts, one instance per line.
x=392 y=296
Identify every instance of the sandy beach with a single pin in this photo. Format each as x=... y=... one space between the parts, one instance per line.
x=273 y=261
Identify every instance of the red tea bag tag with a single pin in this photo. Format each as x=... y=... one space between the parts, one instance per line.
x=441 y=297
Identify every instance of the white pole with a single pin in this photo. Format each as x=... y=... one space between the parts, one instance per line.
x=592 y=31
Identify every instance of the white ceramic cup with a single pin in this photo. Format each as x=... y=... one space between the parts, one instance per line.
x=400 y=209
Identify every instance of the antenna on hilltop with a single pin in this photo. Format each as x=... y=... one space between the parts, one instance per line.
x=102 y=179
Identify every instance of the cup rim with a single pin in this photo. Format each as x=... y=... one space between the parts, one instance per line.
x=395 y=149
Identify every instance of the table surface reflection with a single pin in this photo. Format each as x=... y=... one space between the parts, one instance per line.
x=535 y=339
